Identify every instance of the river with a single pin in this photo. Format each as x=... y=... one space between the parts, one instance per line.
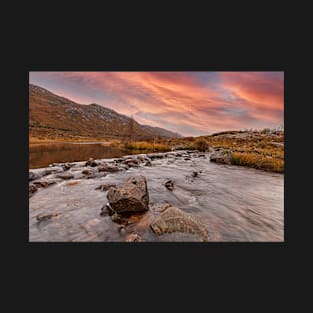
x=43 y=154
x=237 y=203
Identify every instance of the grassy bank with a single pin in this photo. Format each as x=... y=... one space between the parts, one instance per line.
x=150 y=146
x=267 y=163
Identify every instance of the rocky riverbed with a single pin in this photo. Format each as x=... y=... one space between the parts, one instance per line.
x=187 y=198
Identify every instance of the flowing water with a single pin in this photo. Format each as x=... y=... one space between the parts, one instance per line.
x=237 y=203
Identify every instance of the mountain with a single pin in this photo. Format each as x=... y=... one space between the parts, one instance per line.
x=51 y=115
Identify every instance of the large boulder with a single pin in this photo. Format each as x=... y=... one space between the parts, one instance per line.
x=221 y=156
x=132 y=196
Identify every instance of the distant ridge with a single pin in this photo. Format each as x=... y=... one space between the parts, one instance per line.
x=51 y=115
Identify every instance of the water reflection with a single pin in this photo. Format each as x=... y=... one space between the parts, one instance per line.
x=41 y=155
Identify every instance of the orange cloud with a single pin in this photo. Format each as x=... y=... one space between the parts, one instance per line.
x=192 y=103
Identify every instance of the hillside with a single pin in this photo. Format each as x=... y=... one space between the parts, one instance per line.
x=52 y=116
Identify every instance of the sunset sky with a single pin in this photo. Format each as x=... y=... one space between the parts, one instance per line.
x=190 y=103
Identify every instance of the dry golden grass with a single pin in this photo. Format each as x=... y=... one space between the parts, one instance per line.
x=144 y=145
x=258 y=161
x=38 y=140
x=201 y=144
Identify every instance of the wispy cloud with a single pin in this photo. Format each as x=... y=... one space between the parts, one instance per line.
x=192 y=103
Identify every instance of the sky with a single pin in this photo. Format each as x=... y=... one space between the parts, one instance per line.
x=190 y=103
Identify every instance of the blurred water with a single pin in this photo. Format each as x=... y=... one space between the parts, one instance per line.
x=237 y=203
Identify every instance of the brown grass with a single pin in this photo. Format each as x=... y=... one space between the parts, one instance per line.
x=144 y=145
x=258 y=161
x=201 y=144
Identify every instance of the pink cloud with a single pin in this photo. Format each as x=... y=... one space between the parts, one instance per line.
x=231 y=100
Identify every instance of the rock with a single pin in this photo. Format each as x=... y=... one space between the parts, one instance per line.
x=87 y=172
x=221 y=156
x=187 y=158
x=105 y=187
x=46 y=183
x=108 y=168
x=117 y=218
x=42 y=184
x=154 y=156
x=140 y=158
x=194 y=174
x=122 y=229
x=173 y=219
x=148 y=163
x=66 y=166
x=202 y=155
x=106 y=210
x=90 y=173
x=169 y=184
x=91 y=162
x=44 y=217
x=124 y=166
x=33 y=176
x=119 y=160
x=133 y=237
x=65 y=176
x=132 y=196
x=31 y=189
x=52 y=170
x=131 y=162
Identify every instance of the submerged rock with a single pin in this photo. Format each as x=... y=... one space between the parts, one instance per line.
x=132 y=196
x=44 y=217
x=91 y=173
x=53 y=170
x=148 y=163
x=42 y=184
x=33 y=176
x=173 y=219
x=133 y=237
x=65 y=176
x=105 y=187
x=164 y=219
x=108 y=168
x=131 y=162
x=31 y=189
x=169 y=185
x=195 y=174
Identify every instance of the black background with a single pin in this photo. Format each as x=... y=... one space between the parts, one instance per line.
x=125 y=275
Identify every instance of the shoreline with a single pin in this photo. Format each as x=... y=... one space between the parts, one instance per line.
x=161 y=154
